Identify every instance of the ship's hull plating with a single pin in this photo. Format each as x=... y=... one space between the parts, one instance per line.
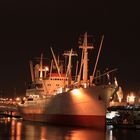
x=80 y=107
x=71 y=120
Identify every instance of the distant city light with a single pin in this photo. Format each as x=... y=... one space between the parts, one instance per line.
x=131 y=98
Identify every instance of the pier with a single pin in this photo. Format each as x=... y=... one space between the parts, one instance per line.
x=8 y=108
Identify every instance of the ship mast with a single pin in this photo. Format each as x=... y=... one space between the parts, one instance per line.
x=98 y=57
x=68 y=72
x=56 y=63
x=41 y=69
x=85 y=48
x=31 y=70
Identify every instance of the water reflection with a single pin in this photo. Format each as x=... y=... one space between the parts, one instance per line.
x=13 y=129
x=122 y=134
x=49 y=132
x=16 y=129
x=109 y=133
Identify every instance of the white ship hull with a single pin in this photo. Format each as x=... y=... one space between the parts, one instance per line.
x=82 y=107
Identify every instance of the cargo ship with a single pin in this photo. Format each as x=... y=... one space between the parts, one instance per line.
x=57 y=98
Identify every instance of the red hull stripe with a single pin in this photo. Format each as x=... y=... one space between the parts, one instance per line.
x=74 y=120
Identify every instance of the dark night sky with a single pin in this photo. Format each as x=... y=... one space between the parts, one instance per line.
x=28 y=28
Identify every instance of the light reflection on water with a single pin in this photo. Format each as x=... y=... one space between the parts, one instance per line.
x=16 y=129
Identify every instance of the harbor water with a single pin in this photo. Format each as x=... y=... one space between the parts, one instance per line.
x=17 y=129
